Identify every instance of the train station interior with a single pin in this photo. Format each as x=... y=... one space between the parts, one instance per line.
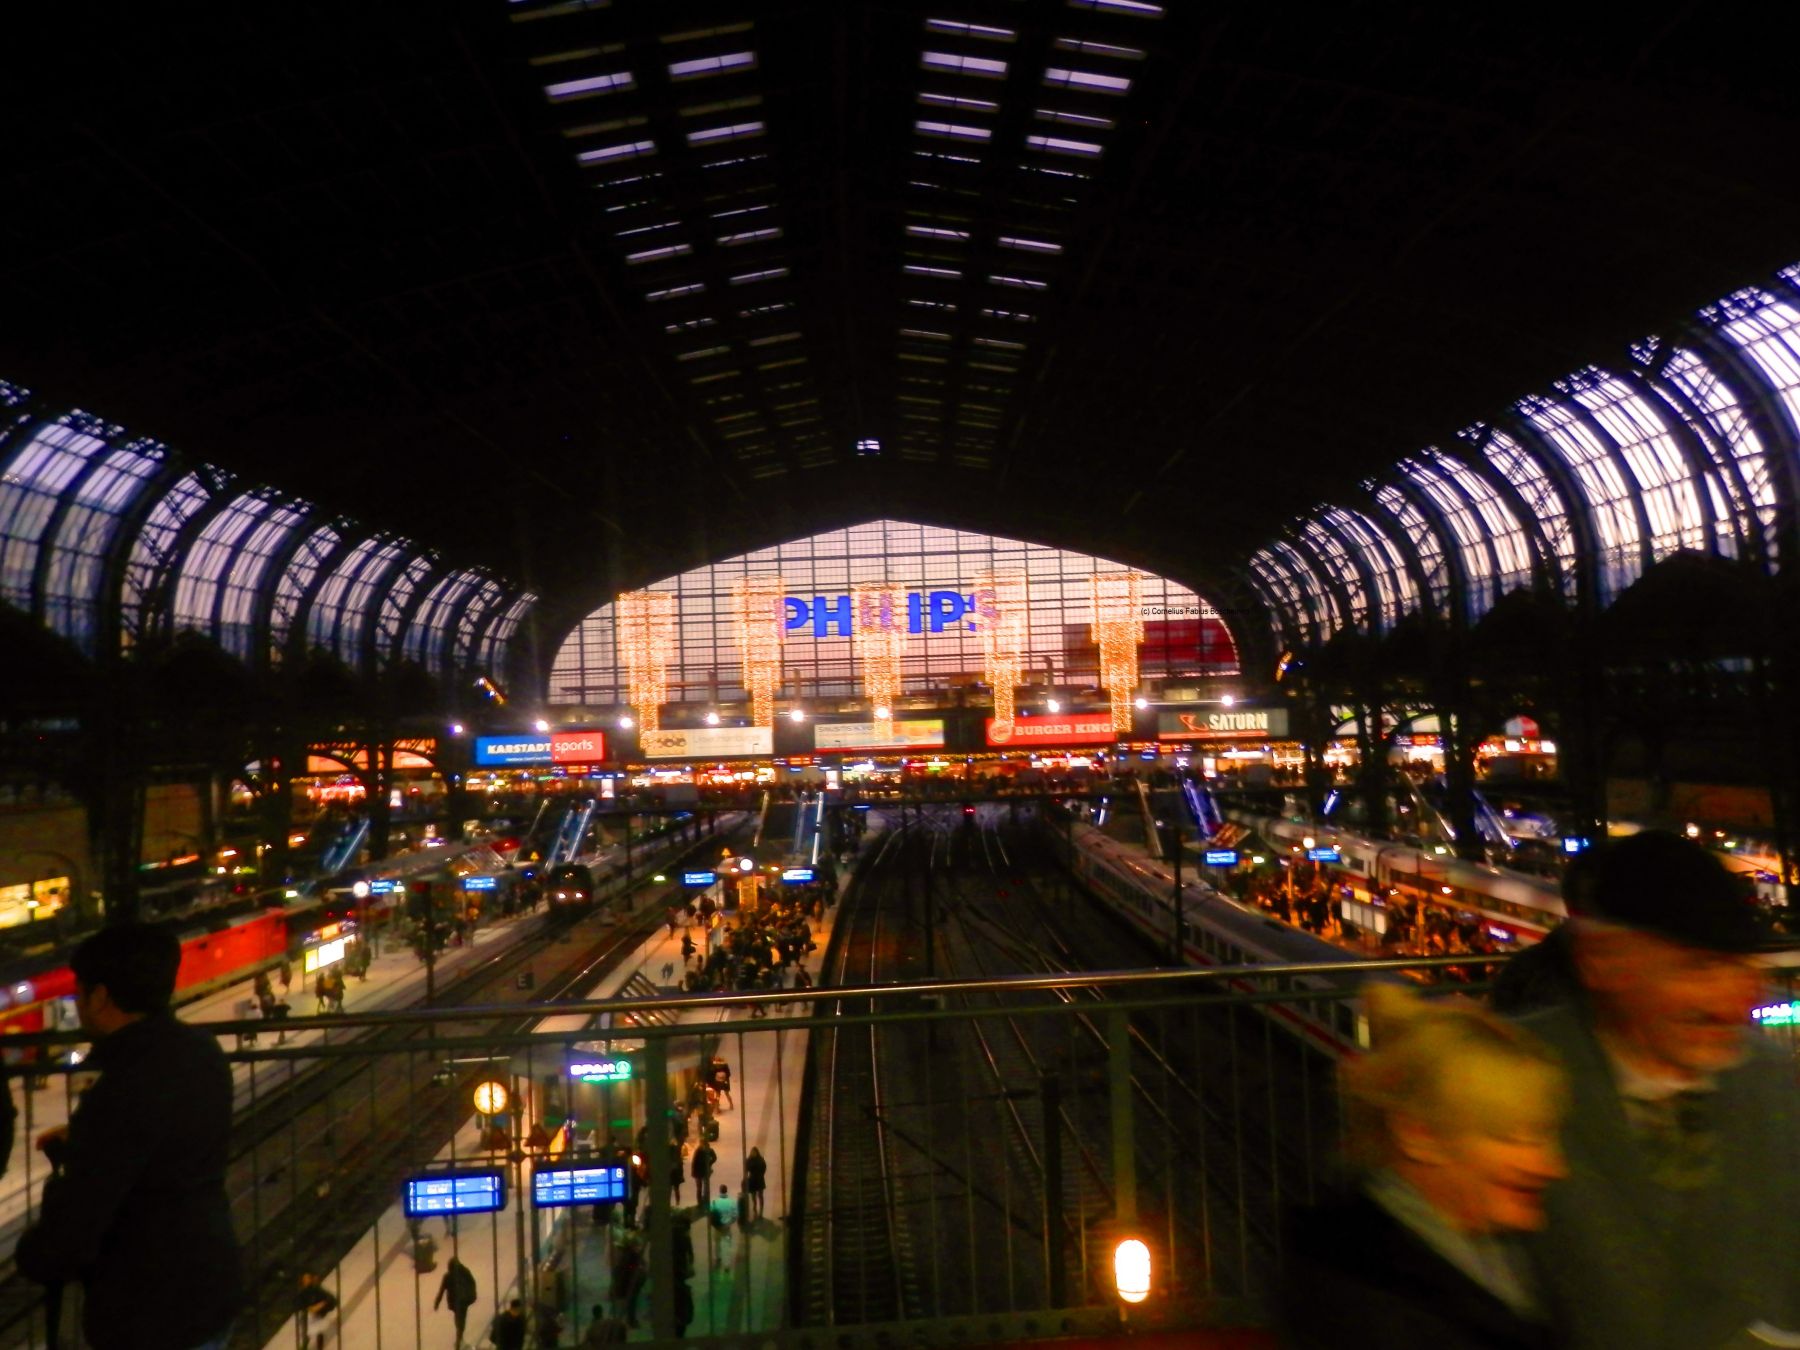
x=537 y=537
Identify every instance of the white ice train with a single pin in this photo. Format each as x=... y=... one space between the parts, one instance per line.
x=1515 y=907
x=1218 y=931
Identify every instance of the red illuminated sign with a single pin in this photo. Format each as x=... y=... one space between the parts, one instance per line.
x=577 y=747
x=1063 y=729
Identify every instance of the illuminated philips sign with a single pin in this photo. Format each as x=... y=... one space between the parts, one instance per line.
x=830 y=615
x=601 y=1070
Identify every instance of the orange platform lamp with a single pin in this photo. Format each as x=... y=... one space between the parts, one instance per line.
x=646 y=630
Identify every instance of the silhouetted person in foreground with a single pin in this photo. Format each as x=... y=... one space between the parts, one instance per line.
x=138 y=1213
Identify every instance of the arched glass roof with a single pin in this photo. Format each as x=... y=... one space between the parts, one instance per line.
x=1689 y=446
x=110 y=541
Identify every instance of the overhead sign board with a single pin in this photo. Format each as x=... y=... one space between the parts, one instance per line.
x=1224 y=724
x=455 y=1193
x=385 y=886
x=797 y=874
x=614 y=1070
x=558 y=747
x=479 y=883
x=1057 y=729
x=924 y=733
x=555 y=1187
x=708 y=743
x=1221 y=857
x=1323 y=855
x=512 y=750
x=698 y=879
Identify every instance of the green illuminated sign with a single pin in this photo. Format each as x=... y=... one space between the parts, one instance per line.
x=601 y=1070
x=1777 y=1015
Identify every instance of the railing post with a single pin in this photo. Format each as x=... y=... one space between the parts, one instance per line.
x=1124 y=1152
x=1056 y=1234
x=664 y=1275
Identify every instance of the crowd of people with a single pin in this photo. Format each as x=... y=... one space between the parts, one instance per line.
x=760 y=951
x=1313 y=900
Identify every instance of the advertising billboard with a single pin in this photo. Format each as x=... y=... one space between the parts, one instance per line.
x=512 y=750
x=708 y=743
x=1059 y=729
x=1223 y=724
x=577 y=747
x=925 y=733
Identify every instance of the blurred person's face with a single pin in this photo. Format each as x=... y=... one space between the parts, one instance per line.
x=1680 y=1011
x=1485 y=1159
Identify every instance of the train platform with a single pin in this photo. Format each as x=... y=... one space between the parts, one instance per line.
x=739 y=1284
x=396 y=979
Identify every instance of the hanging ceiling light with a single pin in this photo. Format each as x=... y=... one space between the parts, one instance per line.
x=1118 y=631
x=880 y=614
x=758 y=604
x=1001 y=604
x=646 y=632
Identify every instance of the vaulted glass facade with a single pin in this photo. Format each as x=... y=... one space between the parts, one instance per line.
x=1689 y=445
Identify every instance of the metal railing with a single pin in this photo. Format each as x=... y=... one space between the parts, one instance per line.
x=1019 y=1128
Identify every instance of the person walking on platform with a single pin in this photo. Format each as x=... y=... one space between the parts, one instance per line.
x=723 y=1211
x=756 y=1172
x=313 y=1309
x=721 y=1082
x=137 y=1211
x=457 y=1286
x=627 y=1276
x=1680 y=1220
x=604 y=1332
x=704 y=1158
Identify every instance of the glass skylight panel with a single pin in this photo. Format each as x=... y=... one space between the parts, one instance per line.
x=30 y=487
x=492 y=657
x=944 y=305
x=775 y=339
x=742 y=211
x=1335 y=558
x=983 y=67
x=1087 y=48
x=241 y=589
x=1471 y=538
x=1002 y=344
x=1321 y=601
x=920 y=270
x=756 y=311
x=688 y=325
x=609 y=154
x=197 y=585
x=1549 y=512
x=1070 y=119
x=947 y=157
x=1090 y=81
x=952 y=130
x=647 y=229
x=987 y=32
x=590 y=86
x=1062 y=145
x=734 y=131
x=1665 y=484
x=764 y=274
x=732 y=162
x=1018 y=283
x=1610 y=499
x=85 y=535
x=701 y=67
x=701 y=353
x=659 y=254
x=1010 y=315
x=676 y=292
x=936 y=232
x=929 y=333
x=1025 y=245
x=393 y=607
x=1505 y=534
x=1139 y=9
x=1422 y=538
x=748 y=236
x=1729 y=423
x=1768 y=331
x=293 y=583
x=953 y=101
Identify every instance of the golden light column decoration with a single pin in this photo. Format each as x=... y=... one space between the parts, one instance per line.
x=1002 y=606
x=1118 y=631
x=646 y=630
x=880 y=613
x=758 y=602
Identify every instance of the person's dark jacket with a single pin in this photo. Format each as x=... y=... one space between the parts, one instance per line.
x=139 y=1213
x=509 y=1331
x=1356 y=1278
x=1540 y=976
x=457 y=1286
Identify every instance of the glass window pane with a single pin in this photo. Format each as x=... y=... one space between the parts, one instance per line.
x=31 y=484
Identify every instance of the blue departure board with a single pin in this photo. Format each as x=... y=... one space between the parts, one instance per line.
x=577 y=1184
x=455 y=1193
